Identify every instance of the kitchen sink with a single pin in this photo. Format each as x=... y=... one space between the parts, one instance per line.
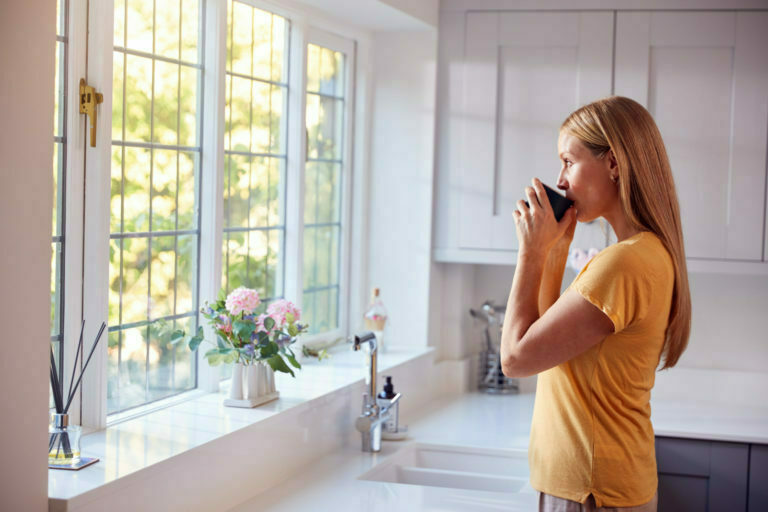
x=457 y=467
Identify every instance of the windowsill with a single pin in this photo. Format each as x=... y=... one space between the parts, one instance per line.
x=128 y=447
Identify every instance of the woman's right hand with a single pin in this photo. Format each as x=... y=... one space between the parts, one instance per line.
x=562 y=245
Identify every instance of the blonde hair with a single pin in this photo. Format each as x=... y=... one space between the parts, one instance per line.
x=646 y=191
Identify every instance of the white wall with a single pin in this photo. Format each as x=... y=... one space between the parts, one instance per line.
x=26 y=147
x=400 y=207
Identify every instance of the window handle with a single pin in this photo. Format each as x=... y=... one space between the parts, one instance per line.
x=89 y=98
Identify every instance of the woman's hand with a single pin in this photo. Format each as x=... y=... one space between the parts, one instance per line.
x=537 y=230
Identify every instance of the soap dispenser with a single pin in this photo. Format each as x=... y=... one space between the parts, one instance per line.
x=388 y=394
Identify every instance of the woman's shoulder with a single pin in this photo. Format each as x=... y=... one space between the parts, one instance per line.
x=643 y=252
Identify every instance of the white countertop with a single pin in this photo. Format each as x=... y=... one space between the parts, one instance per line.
x=474 y=419
x=147 y=442
x=686 y=403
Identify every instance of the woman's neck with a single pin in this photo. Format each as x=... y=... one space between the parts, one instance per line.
x=621 y=225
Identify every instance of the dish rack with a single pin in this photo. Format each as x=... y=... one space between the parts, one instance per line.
x=491 y=378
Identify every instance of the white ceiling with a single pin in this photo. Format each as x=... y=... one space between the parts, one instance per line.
x=371 y=15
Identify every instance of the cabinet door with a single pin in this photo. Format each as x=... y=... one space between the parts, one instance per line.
x=758 y=478
x=704 y=78
x=524 y=73
x=701 y=475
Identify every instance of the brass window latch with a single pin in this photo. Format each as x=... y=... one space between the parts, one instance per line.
x=89 y=98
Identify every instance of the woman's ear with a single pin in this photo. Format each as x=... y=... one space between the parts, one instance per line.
x=612 y=164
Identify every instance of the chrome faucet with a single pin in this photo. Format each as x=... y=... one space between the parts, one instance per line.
x=369 y=423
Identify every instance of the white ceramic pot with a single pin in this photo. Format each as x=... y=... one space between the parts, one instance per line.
x=236 y=387
x=254 y=376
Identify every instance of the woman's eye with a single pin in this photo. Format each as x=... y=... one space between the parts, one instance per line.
x=568 y=163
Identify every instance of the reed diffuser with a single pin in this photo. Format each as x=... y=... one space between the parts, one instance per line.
x=64 y=439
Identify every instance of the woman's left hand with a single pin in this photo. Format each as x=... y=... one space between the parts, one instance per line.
x=537 y=228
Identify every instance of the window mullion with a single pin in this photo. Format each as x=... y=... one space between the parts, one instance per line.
x=73 y=200
x=97 y=216
x=295 y=165
x=212 y=167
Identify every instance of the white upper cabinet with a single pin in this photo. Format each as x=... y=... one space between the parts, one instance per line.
x=704 y=78
x=524 y=72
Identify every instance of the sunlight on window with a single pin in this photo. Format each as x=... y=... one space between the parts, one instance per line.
x=154 y=206
x=322 y=194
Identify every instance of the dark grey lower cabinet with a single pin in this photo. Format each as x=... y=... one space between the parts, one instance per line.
x=702 y=476
x=758 y=478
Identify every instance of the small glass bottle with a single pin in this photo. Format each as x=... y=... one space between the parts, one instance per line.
x=63 y=441
x=376 y=318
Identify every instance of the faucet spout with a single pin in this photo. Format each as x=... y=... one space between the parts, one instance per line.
x=370 y=338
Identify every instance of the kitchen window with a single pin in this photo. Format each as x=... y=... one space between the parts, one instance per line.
x=185 y=208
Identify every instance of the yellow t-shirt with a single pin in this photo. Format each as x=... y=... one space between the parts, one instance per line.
x=591 y=431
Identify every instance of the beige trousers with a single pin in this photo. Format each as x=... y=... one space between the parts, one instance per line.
x=549 y=503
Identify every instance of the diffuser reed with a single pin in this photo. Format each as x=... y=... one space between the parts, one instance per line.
x=60 y=442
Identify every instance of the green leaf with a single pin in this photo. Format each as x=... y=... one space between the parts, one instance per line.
x=290 y=318
x=243 y=330
x=263 y=337
x=293 y=361
x=269 y=349
x=277 y=364
x=195 y=342
x=222 y=296
x=230 y=358
x=269 y=323
x=293 y=330
x=220 y=342
x=177 y=336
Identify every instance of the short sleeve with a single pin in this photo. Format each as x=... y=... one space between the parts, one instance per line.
x=617 y=282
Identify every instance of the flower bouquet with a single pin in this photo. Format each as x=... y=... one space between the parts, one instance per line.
x=249 y=333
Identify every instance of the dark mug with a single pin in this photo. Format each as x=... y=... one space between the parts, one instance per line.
x=560 y=203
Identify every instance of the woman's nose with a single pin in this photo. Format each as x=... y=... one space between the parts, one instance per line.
x=562 y=183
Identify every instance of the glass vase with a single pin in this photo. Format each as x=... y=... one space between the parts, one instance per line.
x=63 y=441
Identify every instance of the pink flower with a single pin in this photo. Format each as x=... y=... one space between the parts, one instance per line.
x=283 y=310
x=224 y=328
x=242 y=300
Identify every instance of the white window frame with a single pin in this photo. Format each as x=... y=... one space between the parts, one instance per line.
x=88 y=283
x=336 y=43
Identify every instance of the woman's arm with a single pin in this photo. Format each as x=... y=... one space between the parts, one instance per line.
x=571 y=326
x=552 y=278
x=533 y=342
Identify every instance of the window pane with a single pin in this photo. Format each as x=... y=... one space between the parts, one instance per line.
x=113 y=364
x=324 y=127
x=58 y=239
x=190 y=30
x=140 y=25
x=254 y=181
x=138 y=101
x=188 y=184
x=166 y=105
x=323 y=178
x=163 y=277
x=154 y=207
x=189 y=93
x=118 y=68
x=167 y=40
x=164 y=183
x=135 y=280
x=135 y=191
x=133 y=367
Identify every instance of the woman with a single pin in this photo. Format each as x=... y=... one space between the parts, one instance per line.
x=598 y=345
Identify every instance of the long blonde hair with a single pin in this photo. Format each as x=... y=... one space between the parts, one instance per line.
x=646 y=191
